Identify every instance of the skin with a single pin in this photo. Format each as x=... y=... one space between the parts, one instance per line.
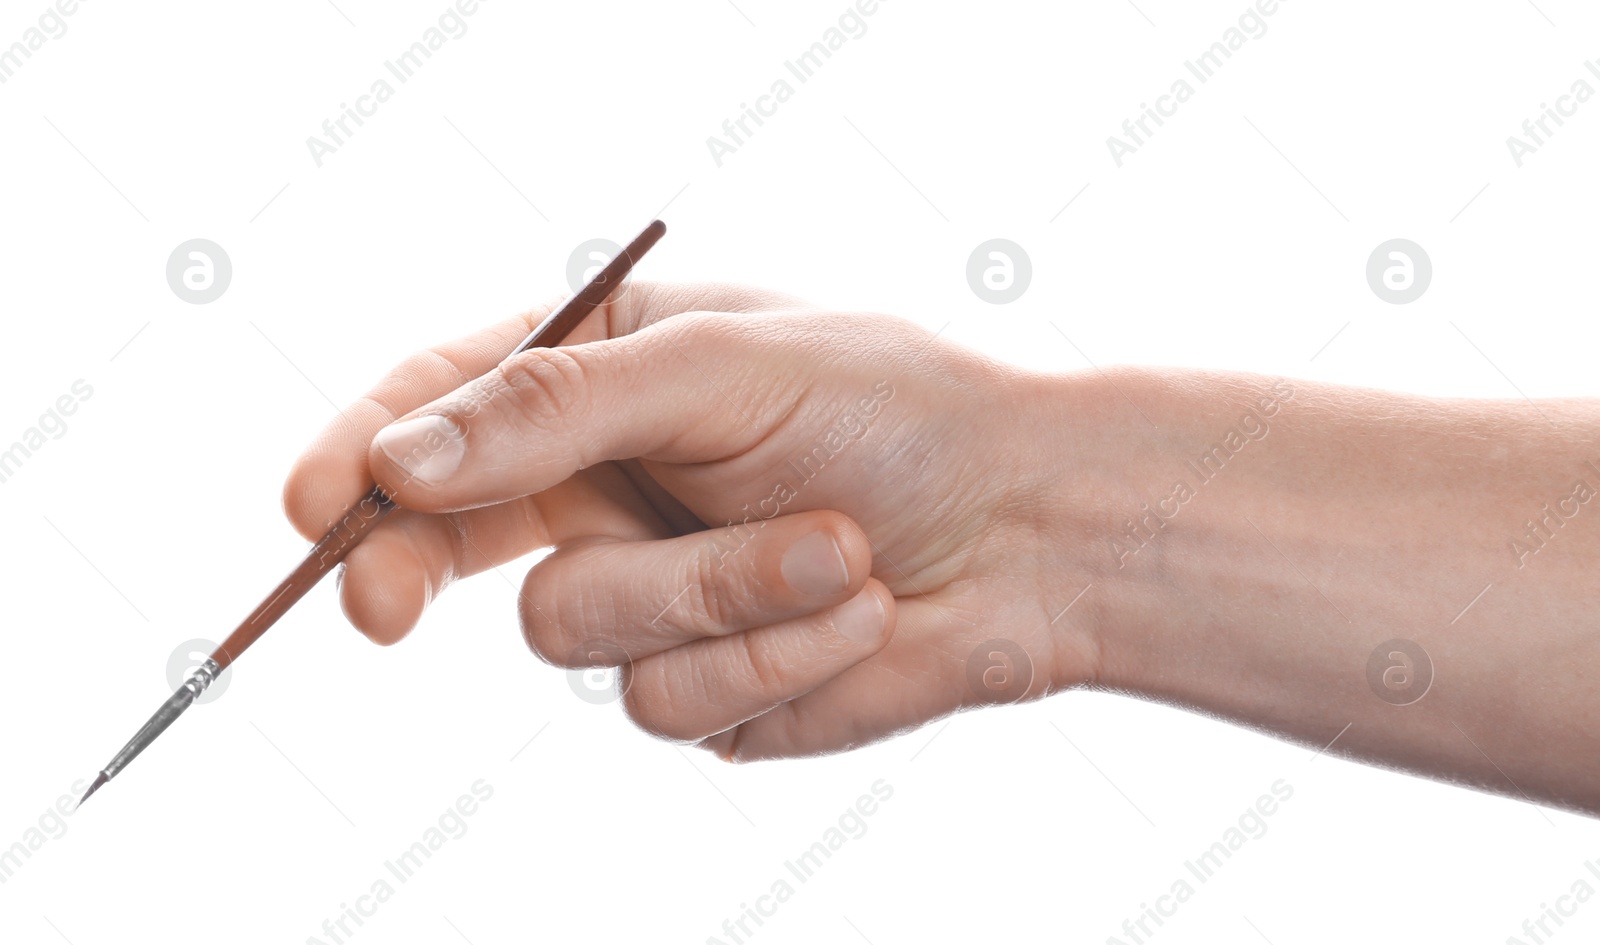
x=961 y=501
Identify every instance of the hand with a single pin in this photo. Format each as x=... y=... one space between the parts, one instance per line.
x=792 y=528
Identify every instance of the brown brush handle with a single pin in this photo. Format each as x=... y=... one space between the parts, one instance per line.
x=325 y=555
x=360 y=519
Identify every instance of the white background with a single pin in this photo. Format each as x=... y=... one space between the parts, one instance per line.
x=1237 y=238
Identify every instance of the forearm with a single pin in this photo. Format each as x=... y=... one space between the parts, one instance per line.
x=1253 y=548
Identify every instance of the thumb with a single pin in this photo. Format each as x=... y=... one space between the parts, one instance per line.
x=686 y=390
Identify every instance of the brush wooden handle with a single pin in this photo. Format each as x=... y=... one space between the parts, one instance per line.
x=360 y=519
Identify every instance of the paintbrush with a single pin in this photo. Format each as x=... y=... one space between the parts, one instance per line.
x=357 y=523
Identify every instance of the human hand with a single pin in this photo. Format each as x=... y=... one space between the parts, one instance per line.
x=791 y=527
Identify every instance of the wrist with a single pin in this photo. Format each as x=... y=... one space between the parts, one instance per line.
x=1152 y=476
x=1096 y=438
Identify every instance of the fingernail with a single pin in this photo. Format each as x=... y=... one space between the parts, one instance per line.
x=860 y=618
x=428 y=448
x=814 y=565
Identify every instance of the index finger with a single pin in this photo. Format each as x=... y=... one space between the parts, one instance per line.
x=333 y=472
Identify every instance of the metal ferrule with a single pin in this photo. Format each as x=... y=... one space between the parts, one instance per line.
x=200 y=679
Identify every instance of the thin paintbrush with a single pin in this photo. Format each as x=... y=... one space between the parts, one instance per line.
x=358 y=523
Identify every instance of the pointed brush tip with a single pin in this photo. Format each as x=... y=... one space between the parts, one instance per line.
x=99 y=781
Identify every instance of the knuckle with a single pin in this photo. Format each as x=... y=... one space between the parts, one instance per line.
x=545 y=384
x=536 y=315
x=763 y=665
x=712 y=591
x=416 y=371
x=428 y=364
x=433 y=364
x=705 y=327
